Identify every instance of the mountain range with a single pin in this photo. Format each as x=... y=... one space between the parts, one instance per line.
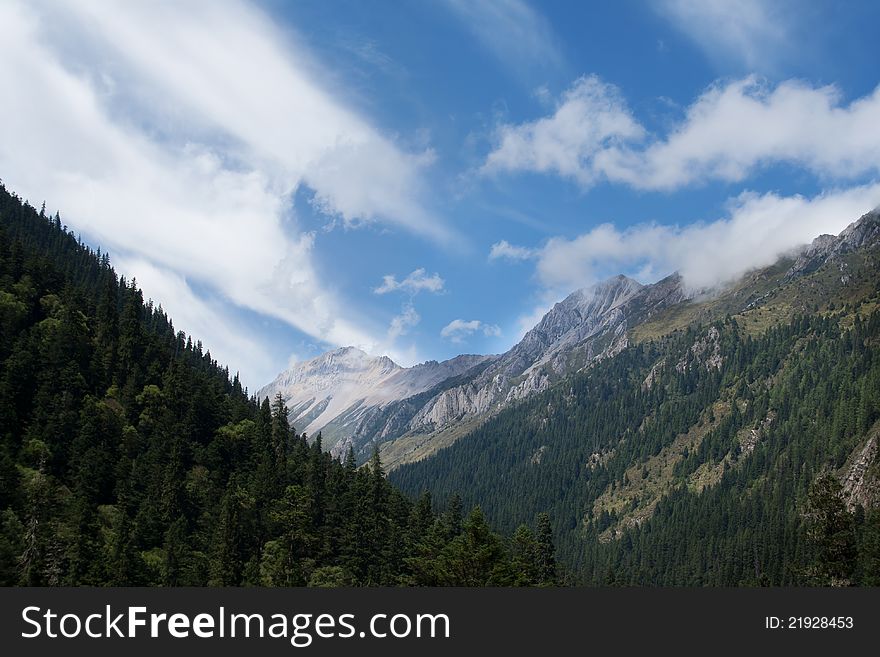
x=651 y=434
x=357 y=401
x=130 y=457
x=345 y=393
x=733 y=440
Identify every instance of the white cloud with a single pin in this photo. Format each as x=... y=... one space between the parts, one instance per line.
x=231 y=342
x=417 y=281
x=414 y=283
x=506 y=250
x=757 y=231
x=753 y=32
x=729 y=132
x=401 y=323
x=458 y=329
x=733 y=129
x=174 y=137
x=590 y=118
x=224 y=64
x=517 y=35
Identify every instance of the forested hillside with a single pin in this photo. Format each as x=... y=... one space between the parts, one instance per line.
x=734 y=441
x=128 y=456
x=742 y=451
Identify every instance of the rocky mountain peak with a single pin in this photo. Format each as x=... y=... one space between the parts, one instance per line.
x=863 y=233
x=605 y=294
x=352 y=358
x=583 y=308
x=350 y=384
x=356 y=399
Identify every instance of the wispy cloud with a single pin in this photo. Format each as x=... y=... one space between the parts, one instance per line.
x=175 y=135
x=371 y=56
x=504 y=250
x=459 y=329
x=728 y=133
x=755 y=33
x=221 y=64
x=401 y=323
x=515 y=33
x=414 y=283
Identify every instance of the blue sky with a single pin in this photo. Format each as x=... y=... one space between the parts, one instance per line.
x=424 y=179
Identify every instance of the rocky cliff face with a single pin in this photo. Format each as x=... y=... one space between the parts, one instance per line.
x=356 y=400
x=594 y=323
x=861 y=476
x=588 y=325
x=860 y=234
x=339 y=391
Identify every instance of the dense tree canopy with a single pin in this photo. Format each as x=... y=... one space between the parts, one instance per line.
x=129 y=456
x=702 y=477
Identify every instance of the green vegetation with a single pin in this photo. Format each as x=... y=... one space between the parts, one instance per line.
x=699 y=474
x=734 y=442
x=129 y=457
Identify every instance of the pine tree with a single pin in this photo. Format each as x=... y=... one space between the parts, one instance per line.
x=831 y=532
x=476 y=557
x=868 y=564
x=280 y=433
x=545 y=552
x=524 y=557
x=452 y=517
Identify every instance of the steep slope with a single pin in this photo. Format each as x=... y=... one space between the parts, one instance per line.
x=830 y=269
x=688 y=457
x=356 y=400
x=128 y=456
x=589 y=325
x=825 y=249
x=338 y=391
